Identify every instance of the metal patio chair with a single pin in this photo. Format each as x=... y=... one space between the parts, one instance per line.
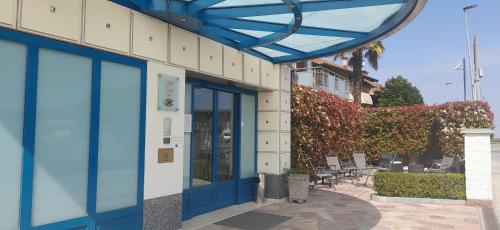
x=385 y=161
x=323 y=173
x=336 y=168
x=361 y=168
x=390 y=163
x=446 y=165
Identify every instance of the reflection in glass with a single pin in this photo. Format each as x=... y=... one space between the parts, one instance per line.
x=203 y=136
x=61 y=137
x=248 y=135
x=12 y=77
x=225 y=136
x=119 y=123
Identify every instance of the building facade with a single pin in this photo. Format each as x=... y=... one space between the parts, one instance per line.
x=139 y=114
x=335 y=79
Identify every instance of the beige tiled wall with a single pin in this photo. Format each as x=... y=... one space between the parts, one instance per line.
x=274 y=124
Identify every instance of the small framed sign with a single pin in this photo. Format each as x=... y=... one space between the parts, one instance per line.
x=168 y=93
x=165 y=155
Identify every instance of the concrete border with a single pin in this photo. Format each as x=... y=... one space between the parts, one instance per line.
x=410 y=200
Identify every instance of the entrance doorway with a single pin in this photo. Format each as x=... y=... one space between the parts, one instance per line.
x=213 y=161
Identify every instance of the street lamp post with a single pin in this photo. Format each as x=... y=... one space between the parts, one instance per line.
x=446 y=90
x=462 y=68
x=474 y=98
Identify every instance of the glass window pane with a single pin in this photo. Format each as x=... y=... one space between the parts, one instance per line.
x=203 y=129
x=248 y=135
x=119 y=125
x=225 y=136
x=187 y=140
x=12 y=79
x=61 y=137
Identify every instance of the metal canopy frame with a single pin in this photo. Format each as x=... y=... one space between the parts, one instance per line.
x=224 y=20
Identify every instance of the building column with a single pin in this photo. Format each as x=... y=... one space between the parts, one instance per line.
x=478 y=166
x=274 y=133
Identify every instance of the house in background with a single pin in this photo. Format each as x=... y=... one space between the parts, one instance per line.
x=334 y=78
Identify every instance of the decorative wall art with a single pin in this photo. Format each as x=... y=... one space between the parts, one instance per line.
x=168 y=93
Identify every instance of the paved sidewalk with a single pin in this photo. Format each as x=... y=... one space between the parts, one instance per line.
x=496 y=180
x=348 y=207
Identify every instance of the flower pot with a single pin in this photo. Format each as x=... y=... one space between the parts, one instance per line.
x=298 y=187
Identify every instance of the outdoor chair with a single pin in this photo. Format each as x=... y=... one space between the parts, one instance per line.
x=446 y=165
x=362 y=169
x=385 y=160
x=322 y=173
x=336 y=168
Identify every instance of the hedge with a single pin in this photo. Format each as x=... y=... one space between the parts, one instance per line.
x=323 y=122
x=423 y=131
x=419 y=185
x=453 y=117
x=401 y=130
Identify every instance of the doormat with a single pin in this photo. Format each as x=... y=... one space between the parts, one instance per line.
x=254 y=221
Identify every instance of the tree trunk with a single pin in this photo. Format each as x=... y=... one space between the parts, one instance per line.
x=357 y=76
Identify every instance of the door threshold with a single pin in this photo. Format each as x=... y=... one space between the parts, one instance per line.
x=222 y=214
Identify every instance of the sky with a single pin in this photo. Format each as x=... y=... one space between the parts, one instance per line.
x=427 y=50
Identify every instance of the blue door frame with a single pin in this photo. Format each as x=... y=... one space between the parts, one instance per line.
x=127 y=218
x=203 y=199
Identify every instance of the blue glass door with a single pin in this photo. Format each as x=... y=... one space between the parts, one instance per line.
x=212 y=184
x=72 y=123
x=215 y=152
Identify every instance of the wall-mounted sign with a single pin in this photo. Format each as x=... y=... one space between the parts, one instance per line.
x=168 y=93
x=165 y=155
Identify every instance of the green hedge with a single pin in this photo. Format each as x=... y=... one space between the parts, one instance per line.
x=419 y=185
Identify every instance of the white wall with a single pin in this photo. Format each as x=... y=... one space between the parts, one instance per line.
x=478 y=164
x=163 y=179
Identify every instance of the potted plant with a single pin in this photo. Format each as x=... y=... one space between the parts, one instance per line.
x=298 y=184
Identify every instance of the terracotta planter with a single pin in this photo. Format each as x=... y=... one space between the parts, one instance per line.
x=298 y=187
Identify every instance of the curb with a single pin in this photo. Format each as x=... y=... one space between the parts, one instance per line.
x=408 y=200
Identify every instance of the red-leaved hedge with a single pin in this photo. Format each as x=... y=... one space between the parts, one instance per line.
x=321 y=123
x=324 y=123
x=401 y=130
x=453 y=117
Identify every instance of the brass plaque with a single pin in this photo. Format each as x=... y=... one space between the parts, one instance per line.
x=165 y=155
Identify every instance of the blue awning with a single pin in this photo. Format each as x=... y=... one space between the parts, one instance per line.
x=285 y=30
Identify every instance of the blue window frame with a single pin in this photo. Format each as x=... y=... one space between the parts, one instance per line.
x=125 y=218
x=199 y=200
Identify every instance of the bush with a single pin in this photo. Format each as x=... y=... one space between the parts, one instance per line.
x=453 y=117
x=415 y=185
x=323 y=122
x=400 y=130
x=432 y=131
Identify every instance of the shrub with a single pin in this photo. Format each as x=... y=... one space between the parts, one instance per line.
x=323 y=122
x=453 y=117
x=413 y=131
x=400 y=130
x=415 y=185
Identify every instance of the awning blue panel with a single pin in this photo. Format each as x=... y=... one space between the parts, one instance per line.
x=285 y=30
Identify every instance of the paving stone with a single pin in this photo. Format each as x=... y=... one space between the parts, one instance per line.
x=347 y=207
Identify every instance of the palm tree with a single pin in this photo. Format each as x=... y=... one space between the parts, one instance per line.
x=372 y=53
